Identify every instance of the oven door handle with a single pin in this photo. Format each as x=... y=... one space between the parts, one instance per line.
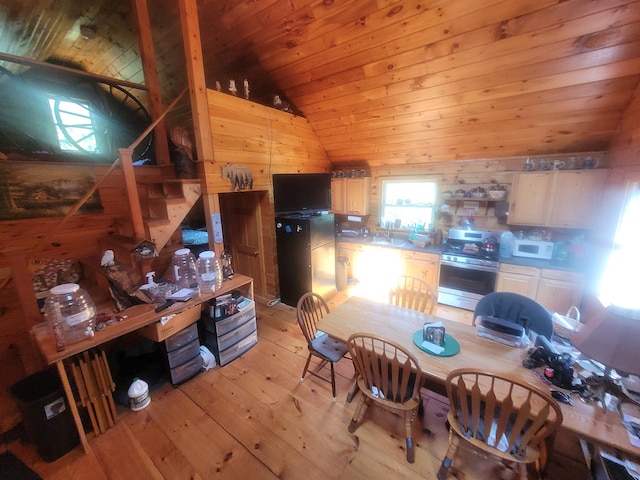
x=482 y=268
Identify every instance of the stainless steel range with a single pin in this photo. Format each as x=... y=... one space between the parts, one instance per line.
x=468 y=268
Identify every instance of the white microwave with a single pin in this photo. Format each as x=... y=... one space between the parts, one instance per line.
x=533 y=249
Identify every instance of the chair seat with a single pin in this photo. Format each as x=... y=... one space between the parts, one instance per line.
x=328 y=347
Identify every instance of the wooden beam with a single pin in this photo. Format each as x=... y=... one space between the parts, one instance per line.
x=137 y=221
x=100 y=78
x=197 y=84
x=150 y=69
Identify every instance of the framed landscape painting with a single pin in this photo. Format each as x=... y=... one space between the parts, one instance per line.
x=30 y=190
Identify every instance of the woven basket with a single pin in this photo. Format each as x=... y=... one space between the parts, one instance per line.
x=496 y=194
x=567 y=325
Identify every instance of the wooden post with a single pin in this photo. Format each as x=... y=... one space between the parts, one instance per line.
x=197 y=84
x=199 y=106
x=149 y=67
x=126 y=155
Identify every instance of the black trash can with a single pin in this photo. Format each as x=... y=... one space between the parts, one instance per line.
x=342 y=270
x=46 y=415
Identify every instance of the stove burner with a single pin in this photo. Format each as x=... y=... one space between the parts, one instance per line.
x=464 y=249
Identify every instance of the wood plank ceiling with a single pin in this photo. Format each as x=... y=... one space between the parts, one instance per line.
x=385 y=82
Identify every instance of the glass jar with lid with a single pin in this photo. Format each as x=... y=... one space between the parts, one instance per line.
x=209 y=272
x=70 y=313
x=184 y=269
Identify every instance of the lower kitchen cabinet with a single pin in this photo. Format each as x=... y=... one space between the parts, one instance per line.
x=378 y=268
x=425 y=266
x=556 y=290
x=518 y=279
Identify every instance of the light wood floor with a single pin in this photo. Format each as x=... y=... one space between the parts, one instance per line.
x=254 y=419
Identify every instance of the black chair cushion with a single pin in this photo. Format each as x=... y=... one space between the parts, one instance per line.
x=518 y=309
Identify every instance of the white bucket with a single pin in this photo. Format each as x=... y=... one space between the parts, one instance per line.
x=139 y=395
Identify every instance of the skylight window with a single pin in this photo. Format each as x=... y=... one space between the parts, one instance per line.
x=74 y=125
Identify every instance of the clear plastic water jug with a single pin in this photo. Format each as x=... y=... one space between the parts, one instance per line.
x=507 y=240
x=184 y=269
x=70 y=313
x=209 y=272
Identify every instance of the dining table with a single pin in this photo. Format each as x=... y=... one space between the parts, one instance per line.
x=587 y=420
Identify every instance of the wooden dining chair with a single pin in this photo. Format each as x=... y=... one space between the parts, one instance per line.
x=500 y=415
x=311 y=308
x=388 y=376
x=413 y=293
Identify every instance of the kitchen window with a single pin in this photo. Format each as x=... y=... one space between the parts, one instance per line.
x=408 y=204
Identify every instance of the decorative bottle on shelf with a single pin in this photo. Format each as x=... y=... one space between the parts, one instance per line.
x=184 y=269
x=70 y=313
x=209 y=272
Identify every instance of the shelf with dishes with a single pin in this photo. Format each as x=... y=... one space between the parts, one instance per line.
x=476 y=199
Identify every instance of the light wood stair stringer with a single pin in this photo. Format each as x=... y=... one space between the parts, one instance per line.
x=168 y=208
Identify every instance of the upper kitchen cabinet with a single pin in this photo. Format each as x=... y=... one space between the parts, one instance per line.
x=562 y=199
x=351 y=196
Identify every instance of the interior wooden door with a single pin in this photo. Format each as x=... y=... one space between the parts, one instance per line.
x=242 y=228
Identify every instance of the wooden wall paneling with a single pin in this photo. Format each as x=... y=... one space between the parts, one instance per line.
x=267 y=141
x=380 y=26
x=618 y=91
x=625 y=147
x=534 y=55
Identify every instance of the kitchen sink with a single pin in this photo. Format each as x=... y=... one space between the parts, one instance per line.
x=394 y=242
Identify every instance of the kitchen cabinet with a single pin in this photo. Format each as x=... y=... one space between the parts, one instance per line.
x=425 y=266
x=556 y=290
x=338 y=194
x=575 y=196
x=351 y=196
x=558 y=198
x=375 y=268
x=517 y=279
x=350 y=252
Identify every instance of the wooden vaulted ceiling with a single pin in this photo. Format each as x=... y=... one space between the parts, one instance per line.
x=387 y=82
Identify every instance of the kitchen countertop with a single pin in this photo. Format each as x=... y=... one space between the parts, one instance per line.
x=537 y=263
x=437 y=249
x=401 y=245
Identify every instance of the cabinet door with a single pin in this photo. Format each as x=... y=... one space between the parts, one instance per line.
x=530 y=198
x=424 y=266
x=338 y=198
x=517 y=279
x=575 y=197
x=357 y=195
x=377 y=269
x=558 y=290
x=512 y=282
x=350 y=252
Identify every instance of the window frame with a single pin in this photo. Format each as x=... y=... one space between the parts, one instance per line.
x=435 y=180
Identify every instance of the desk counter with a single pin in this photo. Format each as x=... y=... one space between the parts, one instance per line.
x=139 y=317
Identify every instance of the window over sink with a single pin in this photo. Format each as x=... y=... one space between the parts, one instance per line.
x=408 y=204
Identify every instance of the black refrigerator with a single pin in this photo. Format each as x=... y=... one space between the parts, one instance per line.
x=306 y=256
